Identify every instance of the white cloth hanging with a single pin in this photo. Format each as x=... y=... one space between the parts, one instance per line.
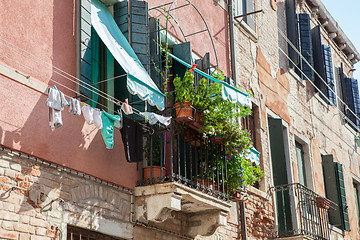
x=154 y=118
x=56 y=102
x=97 y=118
x=88 y=113
x=75 y=108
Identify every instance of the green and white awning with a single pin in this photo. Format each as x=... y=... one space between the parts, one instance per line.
x=229 y=92
x=254 y=156
x=138 y=80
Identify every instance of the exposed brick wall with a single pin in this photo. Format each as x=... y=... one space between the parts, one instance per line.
x=38 y=202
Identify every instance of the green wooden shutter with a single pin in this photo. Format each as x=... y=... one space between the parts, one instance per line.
x=155 y=51
x=182 y=51
x=305 y=46
x=329 y=74
x=292 y=31
x=85 y=46
x=343 y=207
x=89 y=54
x=132 y=19
x=300 y=163
x=280 y=177
x=350 y=94
x=335 y=191
x=204 y=65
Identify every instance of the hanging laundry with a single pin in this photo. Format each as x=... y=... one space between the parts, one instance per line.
x=97 y=118
x=88 y=113
x=119 y=124
x=75 y=108
x=56 y=102
x=132 y=137
x=153 y=118
x=107 y=130
x=127 y=108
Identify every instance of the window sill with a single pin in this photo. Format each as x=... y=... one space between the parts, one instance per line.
x=244 y=28
x=258 y=192
x=297 y=77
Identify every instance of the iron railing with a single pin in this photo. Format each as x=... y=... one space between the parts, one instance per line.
x=182 y=154
x=300 y=211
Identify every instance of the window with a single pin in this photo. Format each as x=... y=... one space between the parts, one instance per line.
x=324 y=79
x=350 y=95
x=246 y=6
x=300 y=163
x=124 y=28
x=74 y=233
x=335 y=191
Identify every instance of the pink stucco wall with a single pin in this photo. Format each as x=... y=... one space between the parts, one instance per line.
x=44 y=31
x=190 y=22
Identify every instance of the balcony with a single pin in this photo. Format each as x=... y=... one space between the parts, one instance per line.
x=301 y=213
x=185 y=175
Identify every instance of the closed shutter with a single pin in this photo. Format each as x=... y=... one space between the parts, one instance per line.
x=329 y=75
x=323 y=66
x=89 y=55
x=333 y=176
x=182 y=51
x=305 y=46
x=292 y=31
x=343 y=207
x=350 y=93
x=204 y=65
x=331 y=191
x=155 y=51
x=278 y=160
x=132 y=19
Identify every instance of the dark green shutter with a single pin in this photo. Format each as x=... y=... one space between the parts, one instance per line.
x=329 y=75
x=132 y=19
x=85 y=46
x=350 y=92
x=323 y=66
x=343 y=207
x=335 y=191
x=278 y=160
x=155 y=51
x=305 y=46
x=204 y=65
x=331 y=191
x=182 y=51
x=89 y=53
x=292 y=31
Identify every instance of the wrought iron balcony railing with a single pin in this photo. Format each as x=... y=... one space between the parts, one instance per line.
x=184 y=155
x=300 y=211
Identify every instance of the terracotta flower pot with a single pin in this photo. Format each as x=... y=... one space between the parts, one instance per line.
x=184 y=110
x=156 y=173
x=322 y=203
x=216 y=139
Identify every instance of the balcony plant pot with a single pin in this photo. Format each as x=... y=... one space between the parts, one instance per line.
x=322 y=203
x=184 y=111
x=217 y=139
x=156 y=174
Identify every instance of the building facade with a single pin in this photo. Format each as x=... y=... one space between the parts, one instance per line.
x=290 y=58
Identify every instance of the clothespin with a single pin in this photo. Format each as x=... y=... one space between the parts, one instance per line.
x=55 y=87
x=126 y=101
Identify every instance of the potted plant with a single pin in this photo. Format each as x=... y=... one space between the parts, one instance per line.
x=322 y=202
x=184 y=93
x=153 y=172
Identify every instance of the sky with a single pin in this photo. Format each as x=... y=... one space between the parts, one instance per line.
x=347 y=14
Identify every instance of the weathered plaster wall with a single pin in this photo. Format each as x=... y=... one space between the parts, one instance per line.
x=33 y=43
x=190 y=22
x=45 y=200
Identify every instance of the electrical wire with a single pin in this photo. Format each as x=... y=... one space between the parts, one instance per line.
x=60 y=71
x=312 y=83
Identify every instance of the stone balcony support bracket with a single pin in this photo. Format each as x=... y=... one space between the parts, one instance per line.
x=204 y=213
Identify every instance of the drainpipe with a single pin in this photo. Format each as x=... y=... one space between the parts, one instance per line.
x=241 y=206
x=232 y=42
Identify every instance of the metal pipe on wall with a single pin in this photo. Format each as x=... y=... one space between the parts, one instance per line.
x=242 y=217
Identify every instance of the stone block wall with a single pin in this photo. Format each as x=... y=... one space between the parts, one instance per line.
x=38 y=202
